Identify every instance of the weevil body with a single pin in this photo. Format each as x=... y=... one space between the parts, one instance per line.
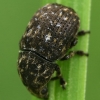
x=51 y=32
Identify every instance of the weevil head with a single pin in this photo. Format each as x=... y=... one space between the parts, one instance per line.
x=41 y=92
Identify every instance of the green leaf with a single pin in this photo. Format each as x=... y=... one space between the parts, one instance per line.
x=73 y=70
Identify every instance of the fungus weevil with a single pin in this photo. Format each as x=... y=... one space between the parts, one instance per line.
x=51 y=32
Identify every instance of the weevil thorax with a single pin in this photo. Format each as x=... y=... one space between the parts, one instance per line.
x=51 y=31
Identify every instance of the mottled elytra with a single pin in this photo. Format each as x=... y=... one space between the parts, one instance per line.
x=51 y=32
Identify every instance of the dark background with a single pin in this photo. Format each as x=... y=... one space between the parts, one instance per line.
x=14 y=16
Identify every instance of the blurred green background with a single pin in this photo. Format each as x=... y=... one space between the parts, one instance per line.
x=14 y=16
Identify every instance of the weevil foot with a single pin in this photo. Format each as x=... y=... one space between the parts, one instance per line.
x=82 y=32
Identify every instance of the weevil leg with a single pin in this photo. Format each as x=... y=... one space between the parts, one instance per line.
x=59 y=76
x=73 y=53
x=74 y=42
x=82 y=32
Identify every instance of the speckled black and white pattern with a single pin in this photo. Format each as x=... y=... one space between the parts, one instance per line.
x=35 y=72
x=50 y=30
x=48 y=36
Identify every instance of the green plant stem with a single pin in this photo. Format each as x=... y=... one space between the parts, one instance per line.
x=74 y=70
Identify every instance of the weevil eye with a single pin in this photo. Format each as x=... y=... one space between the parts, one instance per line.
x=44 y=92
